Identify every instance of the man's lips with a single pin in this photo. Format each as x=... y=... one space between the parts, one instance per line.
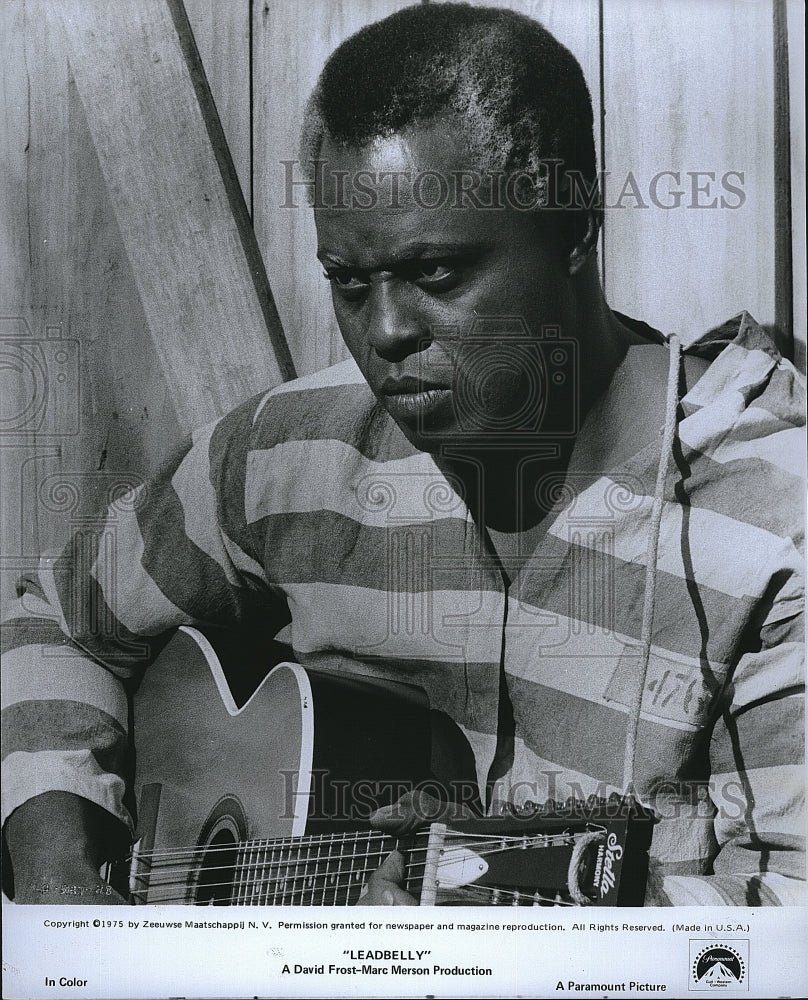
x=408 y=397
x=408 y=385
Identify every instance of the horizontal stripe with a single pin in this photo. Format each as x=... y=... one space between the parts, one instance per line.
x=326 y=547
x=740 y=490
x=602 y=667
x=28 y=675
x=763 y=674
x=626 y=536
x=195 y=492
x=188 y=586
x=689 y=890
x=203 y=516
x=763 y=802
x=606 y=594
x=348 y=413
x=37 y=632
x=768 y=735
x=575 y=733
x=758 y=438
x=536 y=779
x=561 y=652
x=93 y=626
x=32 y=726
x=302 y=476
x=230 y=442
x=28 y=774
x=447 y=626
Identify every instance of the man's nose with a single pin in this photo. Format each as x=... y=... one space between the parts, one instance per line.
x=395 y=327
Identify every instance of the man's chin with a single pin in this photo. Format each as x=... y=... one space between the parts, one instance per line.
x=445 y=440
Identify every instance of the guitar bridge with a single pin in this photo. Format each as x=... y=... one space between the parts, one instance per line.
x=448 y=867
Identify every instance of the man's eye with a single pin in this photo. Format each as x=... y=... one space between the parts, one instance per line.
x=346 y=283
x=435 y=276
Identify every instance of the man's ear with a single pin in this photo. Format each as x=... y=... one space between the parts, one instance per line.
x=587 y=242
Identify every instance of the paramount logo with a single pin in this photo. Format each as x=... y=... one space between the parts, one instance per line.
x=608 y=854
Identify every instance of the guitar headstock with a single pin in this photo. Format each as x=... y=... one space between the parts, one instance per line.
x=592 y=852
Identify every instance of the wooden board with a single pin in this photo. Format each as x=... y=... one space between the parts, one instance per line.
x=217 y=338
x=222 y=32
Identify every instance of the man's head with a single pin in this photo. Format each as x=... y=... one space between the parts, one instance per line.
x=521 y=94
x=442 y=301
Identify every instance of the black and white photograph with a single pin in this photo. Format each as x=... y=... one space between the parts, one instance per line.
x=402 y=438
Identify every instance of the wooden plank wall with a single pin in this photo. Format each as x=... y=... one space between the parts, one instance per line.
x=681 y=85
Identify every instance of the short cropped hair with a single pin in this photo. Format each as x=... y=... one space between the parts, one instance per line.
x=522 y=92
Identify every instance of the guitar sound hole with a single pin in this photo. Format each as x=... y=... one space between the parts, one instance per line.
x=213 y=881
x=217 y=872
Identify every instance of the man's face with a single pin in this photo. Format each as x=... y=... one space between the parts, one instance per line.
x=441 y=307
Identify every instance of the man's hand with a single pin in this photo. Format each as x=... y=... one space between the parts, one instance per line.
x=57 y=843
x=411 y=811
x=384 y=885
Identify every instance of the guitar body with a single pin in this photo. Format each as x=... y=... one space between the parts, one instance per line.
x=304 y=752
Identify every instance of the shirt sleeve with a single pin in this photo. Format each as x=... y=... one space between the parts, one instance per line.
x=175 y=551
x=757 y=783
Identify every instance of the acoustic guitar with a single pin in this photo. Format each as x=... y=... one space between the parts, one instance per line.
x=257 y=790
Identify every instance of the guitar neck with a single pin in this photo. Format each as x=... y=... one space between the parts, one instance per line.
x=322 y=870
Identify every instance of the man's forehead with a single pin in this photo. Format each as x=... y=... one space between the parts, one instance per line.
x=444 y=146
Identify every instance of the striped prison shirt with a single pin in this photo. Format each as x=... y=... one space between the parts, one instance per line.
x=307 y=505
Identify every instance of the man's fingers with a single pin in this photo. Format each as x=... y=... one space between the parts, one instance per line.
x=382 y=887
x=392 y=868
x=414 y=810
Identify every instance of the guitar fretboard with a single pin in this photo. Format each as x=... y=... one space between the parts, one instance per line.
x=325 y=870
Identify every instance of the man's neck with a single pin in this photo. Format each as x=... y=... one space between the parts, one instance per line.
x=510 y=482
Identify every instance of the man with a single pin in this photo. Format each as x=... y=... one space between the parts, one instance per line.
x=602 y=535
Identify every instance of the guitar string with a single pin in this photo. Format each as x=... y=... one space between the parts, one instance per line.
x=296 y=871
x=257 y=892
x=466 y=889
x=303 y=842
x=494 y=846
x=146 y=876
